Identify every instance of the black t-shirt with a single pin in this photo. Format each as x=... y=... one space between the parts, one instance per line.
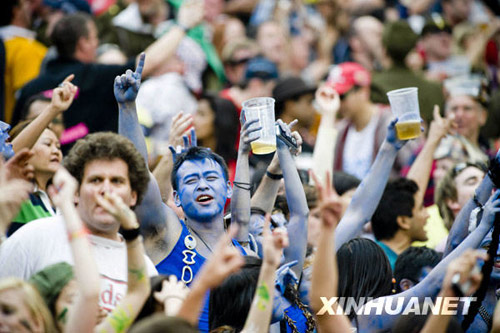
x=95 y=105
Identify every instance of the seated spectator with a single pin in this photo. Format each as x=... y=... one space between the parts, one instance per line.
x=413 y=265
x=398 y=221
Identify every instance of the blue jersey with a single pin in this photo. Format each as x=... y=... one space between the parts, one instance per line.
x=185 y=262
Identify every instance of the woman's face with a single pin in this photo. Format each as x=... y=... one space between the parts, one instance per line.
x=204 y=120
x=47 y=153
x=15 y=315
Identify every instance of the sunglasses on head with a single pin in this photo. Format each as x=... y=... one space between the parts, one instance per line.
x=458 y=168
x=236 y=62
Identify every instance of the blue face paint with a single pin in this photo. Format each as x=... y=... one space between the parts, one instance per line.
x=5 y=147
x=202 y=189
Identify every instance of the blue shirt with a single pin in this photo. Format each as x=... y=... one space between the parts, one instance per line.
x=185 y=262
x=391 y=255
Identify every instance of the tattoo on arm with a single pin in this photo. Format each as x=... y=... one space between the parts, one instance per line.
x=138 y=273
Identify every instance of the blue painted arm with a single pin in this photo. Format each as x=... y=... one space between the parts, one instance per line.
x=367 y=196
x=431 y=285
x=297 y=204
x=151 y=212
x=460 y=227
x=240 y=201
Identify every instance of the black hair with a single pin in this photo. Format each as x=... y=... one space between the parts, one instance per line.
x=231 y=301
x=7 y=13
x=411 y=261
x=397 y=200
x=68 y=31
x=371 y=276
x=486 y=271
x=196 y=153
x=225 y=126
x=38 y=97
x=344 y=182
x=150 y=306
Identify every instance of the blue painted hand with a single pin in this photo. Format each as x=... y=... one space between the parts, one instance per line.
x=127 y=85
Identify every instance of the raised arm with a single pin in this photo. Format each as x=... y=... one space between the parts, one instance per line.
x=62 y=97
x=297 y=204
x=240 y=201
x=81 y=316
x=325 y=275
x=460 y=227
x=190 y=14
x=430 y=286
x=152 y=213
x=225 y=260
x=464 y=266
x=259 y=316
x=265 y=195
x=420 y=170
x=138 y=285
x=368 y=194
x=323 y=155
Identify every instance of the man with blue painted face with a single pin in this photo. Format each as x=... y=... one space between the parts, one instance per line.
x=201 y=187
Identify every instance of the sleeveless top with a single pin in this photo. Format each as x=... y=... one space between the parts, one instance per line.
x=185 y=262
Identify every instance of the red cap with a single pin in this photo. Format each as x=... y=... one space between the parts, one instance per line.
x=344 y=76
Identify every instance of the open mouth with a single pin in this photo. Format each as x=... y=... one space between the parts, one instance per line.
x=204 y=199
x=496 y=264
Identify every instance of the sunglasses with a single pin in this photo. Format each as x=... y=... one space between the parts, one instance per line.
x=234 y=62
x=458 y=168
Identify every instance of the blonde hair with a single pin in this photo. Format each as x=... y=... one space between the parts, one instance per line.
x=32 y=299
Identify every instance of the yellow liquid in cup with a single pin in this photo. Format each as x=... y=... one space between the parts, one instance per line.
x=260 y=148
x=408 y=130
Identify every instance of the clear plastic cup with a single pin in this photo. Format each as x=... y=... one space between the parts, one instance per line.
x=404 y=105
x=262 y=108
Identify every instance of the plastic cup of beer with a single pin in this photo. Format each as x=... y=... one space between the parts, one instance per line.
x=404 y=105
x=262 y=108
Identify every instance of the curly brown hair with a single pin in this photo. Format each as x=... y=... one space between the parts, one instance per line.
x=108 y=146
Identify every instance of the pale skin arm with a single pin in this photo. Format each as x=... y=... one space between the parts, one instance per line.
x=464 y=266
x=259 y=316
x=172 y=295
x=138 y=284
x=14 y=189
x=421 y=169
x=190 y=14
x=323 y=154
x=62 y=98
x=226 y=259
x=82 y=315
x=324 y=281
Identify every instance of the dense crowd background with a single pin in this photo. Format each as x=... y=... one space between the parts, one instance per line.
x=127 y=155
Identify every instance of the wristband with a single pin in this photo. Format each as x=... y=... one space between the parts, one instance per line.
x=77 y=234
x=183 y=27
x=274 y=176
x=130 y=234
x=243 y=186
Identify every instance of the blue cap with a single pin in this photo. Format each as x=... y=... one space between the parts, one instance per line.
x=262 y=68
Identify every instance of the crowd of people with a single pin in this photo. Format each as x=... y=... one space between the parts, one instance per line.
x=131 y=200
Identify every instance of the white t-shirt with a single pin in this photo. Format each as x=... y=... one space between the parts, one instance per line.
x=358 y=149
x=44 y=242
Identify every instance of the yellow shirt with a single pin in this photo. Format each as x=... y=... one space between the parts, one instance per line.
x=436 y=231
x=23 y=57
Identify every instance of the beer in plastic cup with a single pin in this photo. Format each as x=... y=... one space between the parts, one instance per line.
x=262 y=108
x=404 y=105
